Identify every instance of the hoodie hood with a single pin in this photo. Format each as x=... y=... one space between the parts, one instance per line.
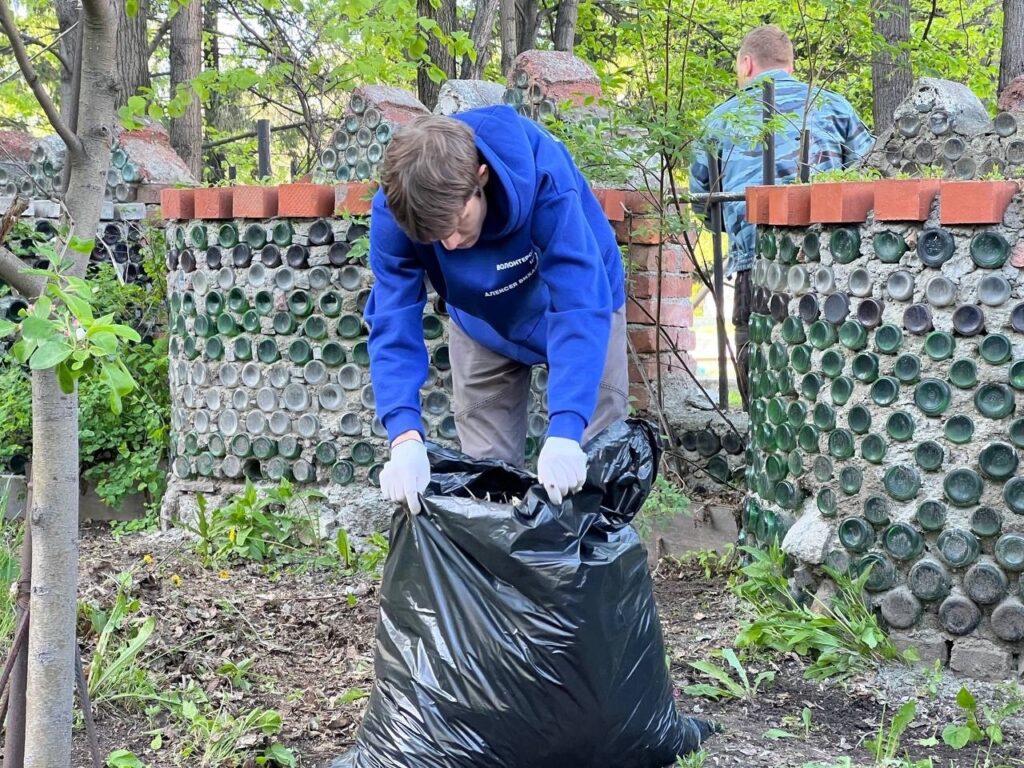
x=507 y=149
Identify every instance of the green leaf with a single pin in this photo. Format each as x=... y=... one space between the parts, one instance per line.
x=122 y=758
x=126 y=332
x=7 y=328
x=931 y=741
x=903 y=718
x=995 y=734
x=49 y=354
x=81 y=244
x=281 y=755
x=956 y=736
x=79 y=307
x=352 y=695
x=66 y=379
x=417 y=48
x=37 y=328
x=966 y=700
x=157 y=742
x=776 y=733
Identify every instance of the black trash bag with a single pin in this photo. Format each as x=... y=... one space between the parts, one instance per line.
x=526 y=635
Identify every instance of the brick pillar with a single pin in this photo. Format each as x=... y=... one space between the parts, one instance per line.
x=655 y=295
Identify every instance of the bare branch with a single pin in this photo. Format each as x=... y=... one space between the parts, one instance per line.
x=11 y=273
x=161 y=32
x=25 y=63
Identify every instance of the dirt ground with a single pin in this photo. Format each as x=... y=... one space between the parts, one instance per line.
x=311 y=641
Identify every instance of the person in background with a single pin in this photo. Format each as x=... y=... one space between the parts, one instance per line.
x=492 y=209
x=838 y=139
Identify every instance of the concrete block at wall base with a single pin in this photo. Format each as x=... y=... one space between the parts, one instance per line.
x=130 y=211
x=15 y=489
x=107 y=211
x=710 y=527
x=981 y=659
x=46 y=209
x=931 y=646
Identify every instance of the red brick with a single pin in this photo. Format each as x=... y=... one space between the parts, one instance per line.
x=645 y=257
x=177 y=203
x=646 y=337
x=612 y=201
x=674 y=312
x=642 y=230
x=644 y=285
x=305 y=201
x=213 y=203
x=354 y=198
x=255 y=202
x=641 y=201
x=687 y=340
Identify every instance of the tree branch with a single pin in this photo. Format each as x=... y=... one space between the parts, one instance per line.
x=25 y=63
x=161 y=32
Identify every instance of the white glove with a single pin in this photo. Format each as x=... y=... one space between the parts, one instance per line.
x=561 y=468
x=406 y=475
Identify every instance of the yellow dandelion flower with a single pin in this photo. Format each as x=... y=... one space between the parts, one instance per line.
x=232 y=534
x=176 y=580
x=147 y=559
x=224 y=574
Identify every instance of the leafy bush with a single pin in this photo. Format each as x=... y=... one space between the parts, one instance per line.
x=120 y=454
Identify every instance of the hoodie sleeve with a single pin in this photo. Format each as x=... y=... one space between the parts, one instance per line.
x=579 y=316
x=394 y=312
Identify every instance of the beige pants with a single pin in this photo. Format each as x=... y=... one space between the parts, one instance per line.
x=492 y=395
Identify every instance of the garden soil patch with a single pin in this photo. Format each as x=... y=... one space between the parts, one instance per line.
x=310 y=638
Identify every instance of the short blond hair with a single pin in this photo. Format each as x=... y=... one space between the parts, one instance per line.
x=769 y=47
x=429 y=173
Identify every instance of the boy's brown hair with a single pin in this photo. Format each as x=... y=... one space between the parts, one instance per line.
x=768 y=46
x=429 y=173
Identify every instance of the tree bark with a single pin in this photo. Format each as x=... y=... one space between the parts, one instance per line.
x=527 y=24
x=509 y=37
x=439 y=54
x=480 y=33
x=53 y=517
x=1011 y=61
x=70 y=48
x=54 y=521
x=891 y=74
x=186 y=53
x=132 y=52
x=565 y=25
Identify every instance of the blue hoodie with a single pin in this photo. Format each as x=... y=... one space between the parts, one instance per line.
x=540 y=285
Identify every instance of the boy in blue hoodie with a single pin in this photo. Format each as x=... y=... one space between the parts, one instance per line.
x=492 y=209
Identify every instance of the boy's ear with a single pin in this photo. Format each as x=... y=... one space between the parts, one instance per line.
x=484 y=173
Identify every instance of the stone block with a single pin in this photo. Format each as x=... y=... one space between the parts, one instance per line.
x=459 y=95
x=966 y=113
x=931 y=646
x=981 y=659
x=808 y=538
x=107 y=211
x=1012 y=96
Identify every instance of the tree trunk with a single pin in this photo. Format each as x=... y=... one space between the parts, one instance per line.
x=132 y=51
x=509 y=38
x=565 y=26
x=54 y=521
x=439 y=54
x=480 y=33
x=527 y=24
x=1011 y=62
x=53 y=516
x=891 y=74
x=70 y=47
x=186 y=53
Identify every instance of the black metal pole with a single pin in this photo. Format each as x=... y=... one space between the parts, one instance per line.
x=769 y=136
x=263 y=147
x=715 y=212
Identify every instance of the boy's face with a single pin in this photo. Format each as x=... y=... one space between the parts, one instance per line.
x=471 y=220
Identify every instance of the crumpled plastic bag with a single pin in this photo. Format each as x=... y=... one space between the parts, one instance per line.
x=524 y=635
